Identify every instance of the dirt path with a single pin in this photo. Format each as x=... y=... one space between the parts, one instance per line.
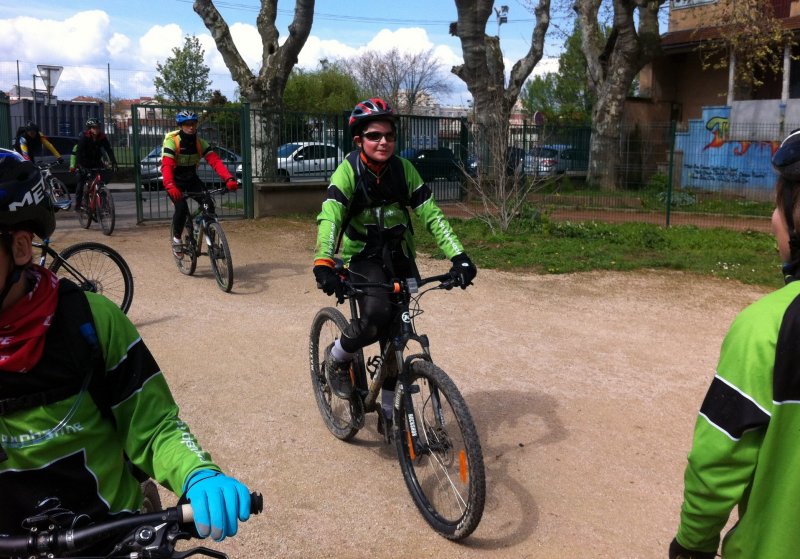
x=584 y=389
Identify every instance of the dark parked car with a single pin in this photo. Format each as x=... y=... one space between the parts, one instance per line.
x=433 y=164
x=515 y=163
x=64 y=145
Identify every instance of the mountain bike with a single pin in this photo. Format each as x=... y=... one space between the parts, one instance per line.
x=94 y=267
x=97 y=203
x=436 y=440
x=56 y=188
x=146 y=536
x=203 y=223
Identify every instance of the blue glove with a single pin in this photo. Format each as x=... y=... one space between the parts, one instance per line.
x=217 y=500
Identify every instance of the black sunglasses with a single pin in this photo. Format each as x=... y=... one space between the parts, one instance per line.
x=377 y=136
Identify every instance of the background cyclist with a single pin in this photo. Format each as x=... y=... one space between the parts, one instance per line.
x=366 y=204
x=180 y=154
x=29 y=141
x=63 y=447
x=93 y=151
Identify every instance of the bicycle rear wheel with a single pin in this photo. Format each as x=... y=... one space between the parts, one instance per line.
x=97 y=268
x=59 y=192
x=105 y=210
x=220 y=256
x=341 y=417
x=187 y=260
x=445 y=472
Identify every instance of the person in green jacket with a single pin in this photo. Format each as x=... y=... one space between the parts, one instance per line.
x=745 y=452
x=366 y=208
x=83 y=403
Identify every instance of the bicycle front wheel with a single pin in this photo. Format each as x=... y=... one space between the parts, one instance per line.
x=85 y=214
x=105 y=211
x=339 y=415
x=220 y=256
x=59 y=192
x=444 y=471
x=97 y=268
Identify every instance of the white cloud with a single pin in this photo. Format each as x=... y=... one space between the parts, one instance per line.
x=86 y=42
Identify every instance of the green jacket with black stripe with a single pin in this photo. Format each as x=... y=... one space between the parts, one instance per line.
x=377 y=212
x=81 y=463
x=746 y=448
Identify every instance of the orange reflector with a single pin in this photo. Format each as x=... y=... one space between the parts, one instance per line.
x=410 y=446
x=462 y=459
x=397 y=287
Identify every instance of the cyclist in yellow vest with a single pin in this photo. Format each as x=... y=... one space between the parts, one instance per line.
x=180 y=154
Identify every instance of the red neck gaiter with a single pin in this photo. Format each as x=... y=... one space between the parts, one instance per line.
x=23 y=325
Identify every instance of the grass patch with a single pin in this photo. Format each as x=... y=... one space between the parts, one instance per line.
x=544 y=246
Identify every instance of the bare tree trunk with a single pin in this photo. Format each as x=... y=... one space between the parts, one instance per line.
x=612 y=63
x=484 y=73
x=264 y=91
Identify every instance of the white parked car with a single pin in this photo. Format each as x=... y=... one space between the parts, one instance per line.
x=298 y=161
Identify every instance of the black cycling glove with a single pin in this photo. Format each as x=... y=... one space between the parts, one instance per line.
x=327 y=279
x=677 y=551
x=463 y=269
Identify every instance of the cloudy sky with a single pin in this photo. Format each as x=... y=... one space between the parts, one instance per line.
x=88 y=36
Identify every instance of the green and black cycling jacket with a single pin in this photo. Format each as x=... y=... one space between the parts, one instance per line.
x=82 y=463
x=746 y=448
x=377 y=211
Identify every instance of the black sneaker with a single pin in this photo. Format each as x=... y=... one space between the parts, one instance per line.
x=338 y=375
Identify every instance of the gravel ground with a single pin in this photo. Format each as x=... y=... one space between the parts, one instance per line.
x=584 y=389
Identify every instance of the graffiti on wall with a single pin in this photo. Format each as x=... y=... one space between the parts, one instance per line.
x=712 y=160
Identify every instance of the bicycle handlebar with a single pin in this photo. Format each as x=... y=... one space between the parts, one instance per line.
x=60 y=540
x=410 y=285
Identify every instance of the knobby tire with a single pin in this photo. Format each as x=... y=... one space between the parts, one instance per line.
x=97 y=268
x=338 y=414
x=187 y=262
x=105 y=210
x=220 y=256
x=85 y=215
x=445 y=476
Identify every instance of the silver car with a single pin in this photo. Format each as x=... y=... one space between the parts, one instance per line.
x=298 y=161
x=150 y=166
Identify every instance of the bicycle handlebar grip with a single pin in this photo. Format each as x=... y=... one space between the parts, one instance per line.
x=256 y=507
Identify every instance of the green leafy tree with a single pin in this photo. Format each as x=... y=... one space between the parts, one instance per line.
x=183 y=78
x=328 y=89
x=751 y=36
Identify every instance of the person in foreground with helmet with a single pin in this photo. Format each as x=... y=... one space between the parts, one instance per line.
x=181 y=152
x=29 y=141
x=746 y=449
x=366 y=209
x=81 y=397
x=93 y=151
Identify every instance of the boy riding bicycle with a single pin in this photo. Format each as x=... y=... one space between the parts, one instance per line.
x=181 y=152
x=366 y=209
x=83 y=404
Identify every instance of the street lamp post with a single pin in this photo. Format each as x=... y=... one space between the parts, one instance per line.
x=502 y=17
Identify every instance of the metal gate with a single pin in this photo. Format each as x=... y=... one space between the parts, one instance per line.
x=227 y=130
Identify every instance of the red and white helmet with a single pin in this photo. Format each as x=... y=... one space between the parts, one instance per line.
x=367 y=111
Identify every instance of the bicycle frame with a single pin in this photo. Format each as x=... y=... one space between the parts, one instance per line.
x=402 y=332
x=206 y=211
x=47 y=250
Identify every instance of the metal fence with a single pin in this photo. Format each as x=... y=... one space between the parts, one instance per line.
x=712 y=171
